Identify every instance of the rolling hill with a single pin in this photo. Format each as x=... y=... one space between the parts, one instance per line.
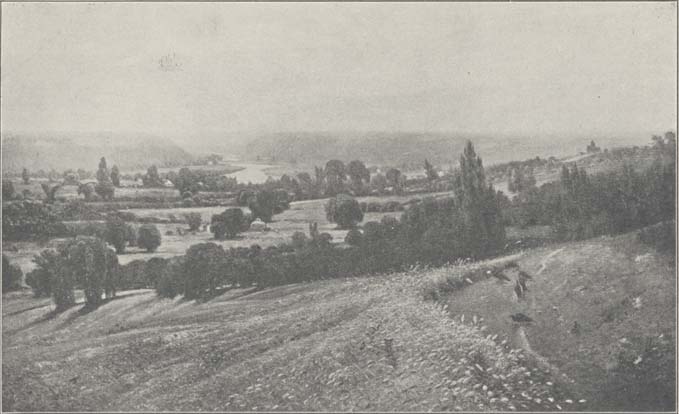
x=373 y=343
x=61 y=152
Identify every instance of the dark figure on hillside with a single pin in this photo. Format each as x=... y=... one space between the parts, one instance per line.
x=521 y=318
x=576 y=328
x=498 y=274
x=525 y=276
x=522 y=282
x=518 y=289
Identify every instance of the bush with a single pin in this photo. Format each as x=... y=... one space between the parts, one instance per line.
x=105 y=190
x=40 y=279
x=194 y=221
x=343 y=210
x=228 y=223
x=149 y=237
x=299 y=240
x=117 y=234
x=202 y=269
x=84 y=261
x=354 y=237
x=11 y=275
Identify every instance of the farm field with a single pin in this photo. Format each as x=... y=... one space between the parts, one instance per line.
x=352 y=344
x=297 y=218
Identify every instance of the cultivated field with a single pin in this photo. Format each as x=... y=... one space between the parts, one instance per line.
x=297 y=218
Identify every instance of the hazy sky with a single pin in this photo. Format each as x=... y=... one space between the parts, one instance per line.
x=470 y=67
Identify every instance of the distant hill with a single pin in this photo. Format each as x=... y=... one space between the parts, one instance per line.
x=61 y=152
x=400 y=149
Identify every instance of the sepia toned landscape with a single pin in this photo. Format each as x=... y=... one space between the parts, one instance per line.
x=339 y=207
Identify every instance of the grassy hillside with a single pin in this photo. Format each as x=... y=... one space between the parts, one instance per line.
x=374 y=343
x=620 y=293
x=354 y=344
x=62 y=152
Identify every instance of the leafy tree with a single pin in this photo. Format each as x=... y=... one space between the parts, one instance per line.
x=379 y=181
x=354 y=237
x=299 y=240
x=115 y=176
x=429 y=169
x=202 y=270
x=358 y=173
x=194 y=220
x=50 y=192
x=25 y=176
x=148 y=237
x=335 y=174
x=263 y=205
x=105 y=190
x=152 y=178
x=103 y=175
x=7 y=189
x=117 y=234
x=87 y=189
x=394 y=179
x=185 y=181
x=11 y=275
x=479 y=204
x=40 y=279
x=343 y=210
x=228 y=223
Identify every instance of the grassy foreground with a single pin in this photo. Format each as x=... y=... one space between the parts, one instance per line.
x=354 y=344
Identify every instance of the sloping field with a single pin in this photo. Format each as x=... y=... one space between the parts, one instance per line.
x=352 y=344
x=590 y=301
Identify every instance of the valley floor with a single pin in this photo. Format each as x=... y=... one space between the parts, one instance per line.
x=371 y=343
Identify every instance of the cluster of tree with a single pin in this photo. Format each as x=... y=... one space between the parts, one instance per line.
x=26 y=219
x=581 y=206
x=520 y=179
x=433 y=231
x=229 y=223
x=80 y=263
x=343 y=210
x=264 y=204
x=107 y=181
x=500 y=171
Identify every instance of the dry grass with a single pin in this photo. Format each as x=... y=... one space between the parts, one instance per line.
x=594 y=283
x=352 y=344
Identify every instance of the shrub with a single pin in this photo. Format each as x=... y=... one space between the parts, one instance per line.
x=11 y=275
x=354 y=237
x=149 y=237
x=228 y=223
x=194 y=221
x=263 y=205
x=117 y=234
x=299 y=240
x=105 y=190
x=85 y=261
x=41 y=278
x=202 y=269
x=343 y=210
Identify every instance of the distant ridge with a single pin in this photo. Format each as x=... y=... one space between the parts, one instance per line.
x=64 y=151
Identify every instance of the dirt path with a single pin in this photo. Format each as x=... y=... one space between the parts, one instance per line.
x=520 y=338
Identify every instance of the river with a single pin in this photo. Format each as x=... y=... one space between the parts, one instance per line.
x=251 y=173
